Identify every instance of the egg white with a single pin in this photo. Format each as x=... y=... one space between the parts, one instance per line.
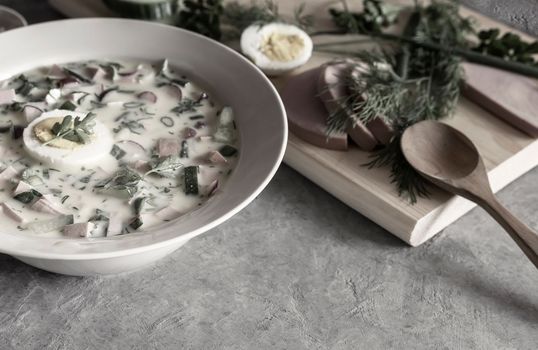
x=253 y=37
x=68 y=159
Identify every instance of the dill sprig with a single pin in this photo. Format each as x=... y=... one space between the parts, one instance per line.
x=508 y=46
x=405 y=85
x=240 y=16
x=201 y=16
x=237 y=17
x=375 y=17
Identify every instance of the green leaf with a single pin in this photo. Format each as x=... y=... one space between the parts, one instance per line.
x=71 y=136
x=139 y=204
x=228 y=151
x=533 y=48
x=166 y=166
x=136 y=223
x=117 y=152
x=66 y=124
x=82 y=136
x=490 y=34
x=28 y=197
x=68 y=105
x=124 y=183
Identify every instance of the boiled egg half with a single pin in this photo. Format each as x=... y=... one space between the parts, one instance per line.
x=276 y=48
x=62 y=153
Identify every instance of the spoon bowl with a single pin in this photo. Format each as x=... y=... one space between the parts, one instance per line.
x=445 y=154
x=449 y=159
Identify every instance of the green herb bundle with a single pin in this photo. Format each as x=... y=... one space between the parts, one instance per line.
x=407 y=84
x=76 y=130
x=237 y=17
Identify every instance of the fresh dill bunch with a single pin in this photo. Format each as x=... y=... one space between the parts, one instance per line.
x=404 y=85
x=240 y=16
x=202 y=16
x=375 y=17
x=508 y=46
x=301 y=19
x=237 y=17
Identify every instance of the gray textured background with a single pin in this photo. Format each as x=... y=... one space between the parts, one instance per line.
x=297 y=269
x=522 y=14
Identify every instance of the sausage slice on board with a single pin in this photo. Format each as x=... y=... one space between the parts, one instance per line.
x=307 y=116
x=333 y=90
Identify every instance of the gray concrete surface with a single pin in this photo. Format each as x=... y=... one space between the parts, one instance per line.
x=522 y=14
x=297 y=269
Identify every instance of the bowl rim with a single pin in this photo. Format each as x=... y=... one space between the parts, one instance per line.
x=260 y=186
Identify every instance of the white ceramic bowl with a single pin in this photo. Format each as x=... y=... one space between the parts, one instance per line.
x=260 y=117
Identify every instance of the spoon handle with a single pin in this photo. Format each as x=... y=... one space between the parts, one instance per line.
x=525 y=237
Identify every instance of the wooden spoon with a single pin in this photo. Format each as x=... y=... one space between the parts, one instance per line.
x=451 y=161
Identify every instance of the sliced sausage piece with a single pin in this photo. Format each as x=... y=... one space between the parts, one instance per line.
x=6 y=96
x=332 y=92
x=10 y=213
x=81 y=229
x=168 y=147
x=307 y=116
x=507 y=95
x=381 y=130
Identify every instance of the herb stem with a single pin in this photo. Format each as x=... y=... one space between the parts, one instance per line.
x=469 y=55
x=57 y=137
x=328 y=32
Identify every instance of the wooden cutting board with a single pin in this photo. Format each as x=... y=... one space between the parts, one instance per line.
x=508 y=152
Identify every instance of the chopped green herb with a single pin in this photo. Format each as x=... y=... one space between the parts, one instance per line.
x=25 y=87
x=15 y=107
x=6 y=127
x=133 y=104
x=97 y=104
x=228 y=151
x=117 y=152
x=145 y=111
x=68 y=105
x=122 y=116
x=186 y=105
x=16 y=131
x=165 y=167
x=77 y=76
x=134 y=126
x=84 y=95
x=28 y=197
x=124 y=183
x=196 y=117
x=77 y=130
x=105 y=92
x=139 y=204
x=86 y=179
x=136 y=223
x=64 y=198
x=184 y=153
